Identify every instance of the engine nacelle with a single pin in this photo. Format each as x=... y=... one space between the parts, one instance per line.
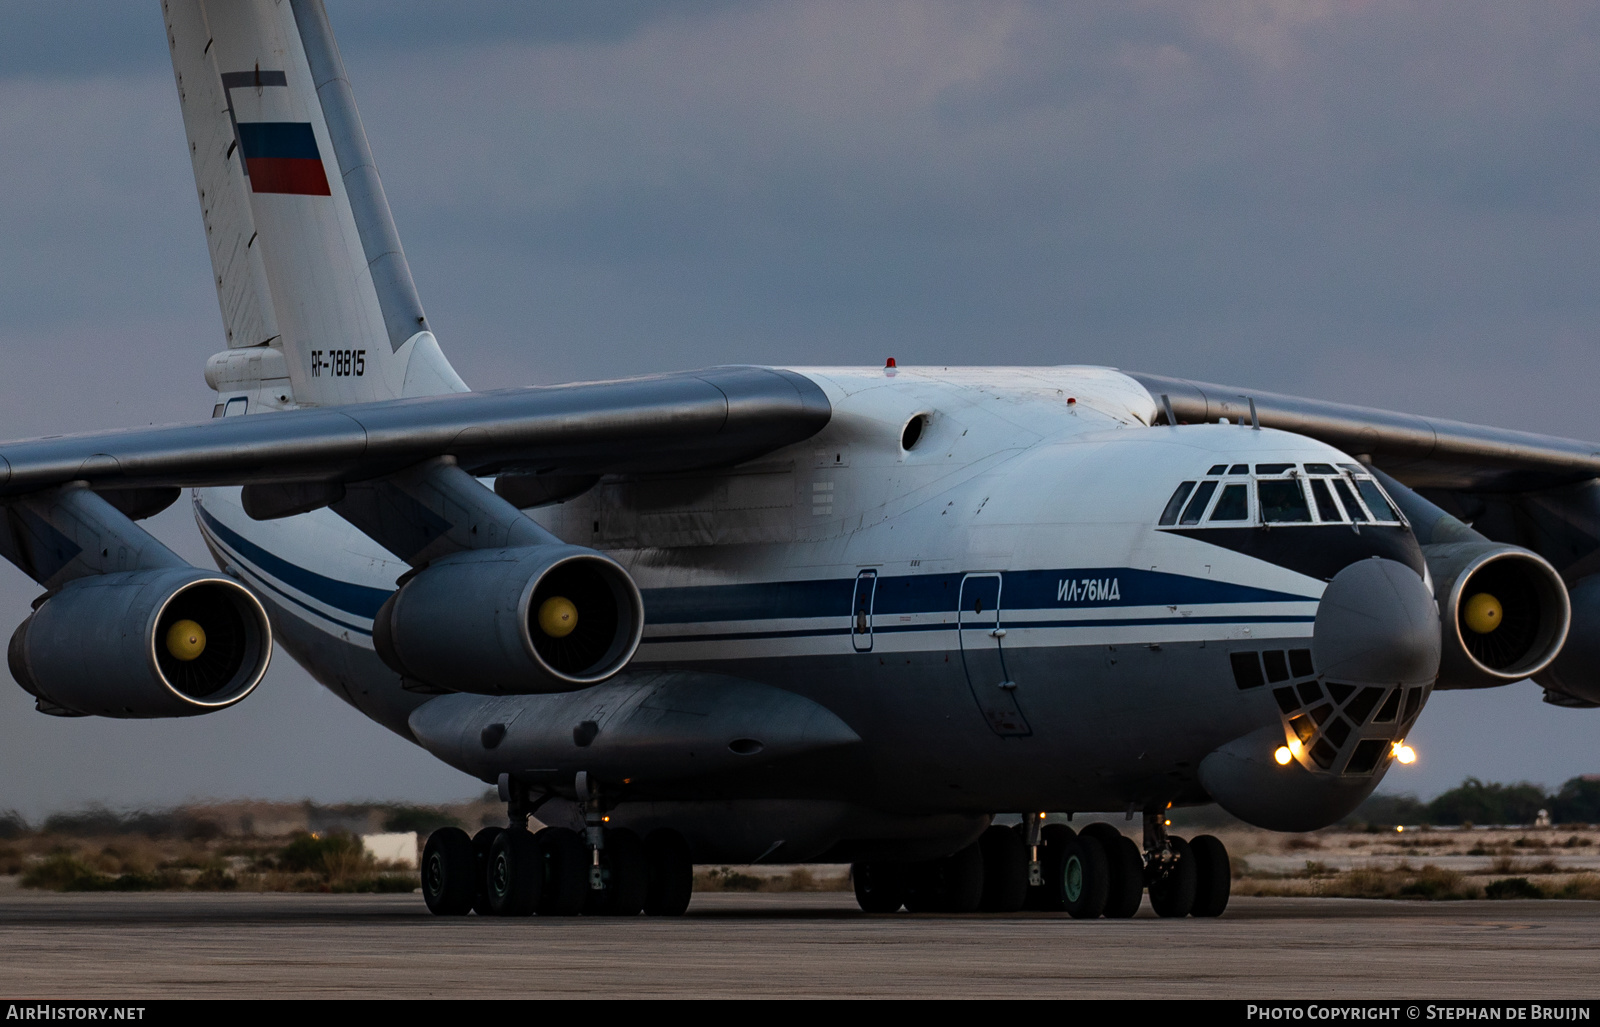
x=1576 y=672
x=1503 y=612
x=174 y=642
x=517 y=621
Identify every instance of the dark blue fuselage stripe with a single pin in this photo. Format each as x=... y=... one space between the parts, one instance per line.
x=356 y=600
x=1036 y=590
x=888 y=629
x=259 y=577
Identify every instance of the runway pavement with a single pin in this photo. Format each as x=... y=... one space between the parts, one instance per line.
x=807 y=944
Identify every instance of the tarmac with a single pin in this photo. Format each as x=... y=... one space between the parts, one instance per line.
x=230 y=945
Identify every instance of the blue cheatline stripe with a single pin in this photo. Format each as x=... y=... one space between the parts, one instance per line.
x=356 y=600
x=939 y=593
x=1040 y=590
x=886 y=629
x=292 y=140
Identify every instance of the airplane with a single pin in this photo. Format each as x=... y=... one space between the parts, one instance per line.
x=774 y=614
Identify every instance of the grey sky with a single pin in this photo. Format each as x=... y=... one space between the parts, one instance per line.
x=1385 y=204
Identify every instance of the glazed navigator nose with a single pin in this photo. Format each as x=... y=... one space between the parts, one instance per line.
x=1377 y=624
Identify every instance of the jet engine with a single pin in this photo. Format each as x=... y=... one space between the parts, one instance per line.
x=173 y=642
x=515 y=621
x=1576 y=672
x=1503 y=611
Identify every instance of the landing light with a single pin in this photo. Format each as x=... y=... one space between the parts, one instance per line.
x=1283 y=755
x=1296 y=749
x=1404 y=753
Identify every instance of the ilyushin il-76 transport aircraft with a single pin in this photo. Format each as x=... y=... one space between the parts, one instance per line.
x=749 y=614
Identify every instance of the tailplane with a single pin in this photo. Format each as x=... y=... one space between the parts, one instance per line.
x=317 y=301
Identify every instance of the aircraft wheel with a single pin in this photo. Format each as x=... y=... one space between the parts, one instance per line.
x=449 y=878
x=565 y=860
x=515 y=878
x=880 y=887
x=1172 y=890
x=1083 y=879
x=1213 y=876
x=963 y=879
x=482 y=842
x=1126 y=885
x=1053 y=839
x=670 y=870
x=1124 y=870
x=628 y=874
x=1005 y=870
x=953 y=884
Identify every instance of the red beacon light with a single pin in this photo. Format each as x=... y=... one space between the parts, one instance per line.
x=1072 y=401
x=890 y=363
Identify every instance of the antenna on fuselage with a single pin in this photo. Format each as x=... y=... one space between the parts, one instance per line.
x=1166 y=403
x=1255 y=422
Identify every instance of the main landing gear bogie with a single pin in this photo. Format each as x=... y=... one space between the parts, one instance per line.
x=513 y=872
x=1088 y=874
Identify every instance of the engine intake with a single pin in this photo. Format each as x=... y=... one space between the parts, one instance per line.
x=174 y=642
x=1503 y=612
x=517 y=621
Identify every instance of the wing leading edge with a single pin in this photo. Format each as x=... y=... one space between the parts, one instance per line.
x=714 y=417
x=1423 y=452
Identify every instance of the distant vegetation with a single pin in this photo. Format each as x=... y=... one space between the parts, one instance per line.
x=252 y=846
x=1477 y=802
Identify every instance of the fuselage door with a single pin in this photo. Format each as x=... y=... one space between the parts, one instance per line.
x=983 y=654
x=861 y=611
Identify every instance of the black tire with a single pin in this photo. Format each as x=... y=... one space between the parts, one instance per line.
x=565 y=860
x=1213 y=876
x=1083 y=878
x=627 y=874
x=1125 y=887
x=482 y=842
x=1173 y=886
x=953 y=884
x=671 y=873
x=1053 y=839
x=515 y=874
x=449 y=872
x=963 y=879
x=1005 y=870
x=879 y=887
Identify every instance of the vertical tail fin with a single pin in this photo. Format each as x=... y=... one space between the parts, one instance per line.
x=317 y=299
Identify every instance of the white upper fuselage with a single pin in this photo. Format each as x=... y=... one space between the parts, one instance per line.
x=1054 y=470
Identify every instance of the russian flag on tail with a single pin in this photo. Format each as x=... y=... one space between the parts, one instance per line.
x=282 y=157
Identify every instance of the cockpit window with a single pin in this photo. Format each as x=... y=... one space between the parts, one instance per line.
x=1232 y=505
x=1284 y=493
x=1349 y=500
x=1327 y=509
x=1197 y=505
x=1169 y=516
x=1377 y=502
x=1282 y=502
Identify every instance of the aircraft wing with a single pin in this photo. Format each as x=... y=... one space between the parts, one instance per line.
x=1422 y=452
x=714 y=417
